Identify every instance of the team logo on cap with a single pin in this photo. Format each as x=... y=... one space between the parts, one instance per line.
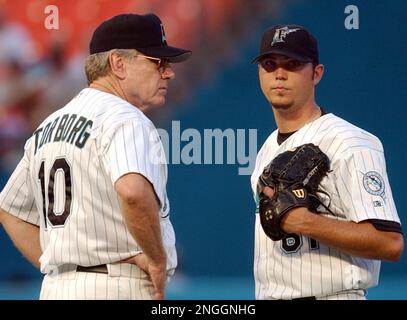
x=281 y=33
x=163 y=38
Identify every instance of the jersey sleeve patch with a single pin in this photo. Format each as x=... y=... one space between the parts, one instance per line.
x=374 y=184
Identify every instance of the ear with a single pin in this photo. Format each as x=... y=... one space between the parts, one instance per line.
x=117 y=65
x=318 y=73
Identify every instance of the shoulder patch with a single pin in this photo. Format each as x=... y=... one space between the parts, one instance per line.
x=373 y=183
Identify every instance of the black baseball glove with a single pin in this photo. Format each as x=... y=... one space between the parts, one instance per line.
x=295 y=177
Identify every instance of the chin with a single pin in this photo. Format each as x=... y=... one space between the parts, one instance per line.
x=159 y=104
x=281 y=106
x=156 y=104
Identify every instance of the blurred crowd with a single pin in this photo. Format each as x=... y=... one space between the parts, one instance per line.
x=40 y=70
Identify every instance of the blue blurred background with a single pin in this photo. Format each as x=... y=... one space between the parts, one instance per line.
x=212 y=205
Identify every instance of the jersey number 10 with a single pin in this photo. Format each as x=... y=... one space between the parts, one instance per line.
x=54 y=218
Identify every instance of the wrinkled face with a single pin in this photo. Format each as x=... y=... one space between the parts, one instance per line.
x=287 y=83
x=146 y=81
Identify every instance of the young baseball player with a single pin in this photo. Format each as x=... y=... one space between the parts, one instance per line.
x=87 y=203
x=327 y=244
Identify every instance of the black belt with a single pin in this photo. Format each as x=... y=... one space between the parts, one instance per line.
x=94 y=269
x=306 y=298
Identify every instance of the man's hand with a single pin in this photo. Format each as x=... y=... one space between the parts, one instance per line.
x=157 y=273
x=292 y=221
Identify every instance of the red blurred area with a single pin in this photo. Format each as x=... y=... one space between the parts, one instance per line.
x=184 y=19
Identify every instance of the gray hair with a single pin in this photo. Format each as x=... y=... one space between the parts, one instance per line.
x=97 y=65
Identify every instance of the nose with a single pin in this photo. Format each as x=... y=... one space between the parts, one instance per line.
x=168 y=73
x=280 y=73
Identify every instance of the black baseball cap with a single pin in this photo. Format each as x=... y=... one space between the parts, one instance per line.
x=290 y=40
x=145 y=33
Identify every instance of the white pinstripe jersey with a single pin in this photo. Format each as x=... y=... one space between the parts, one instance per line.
x=359 y=188
x=68 y=173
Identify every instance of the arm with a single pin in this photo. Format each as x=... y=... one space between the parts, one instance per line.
x=140 y=211
x=24 y=235
x=358 y=239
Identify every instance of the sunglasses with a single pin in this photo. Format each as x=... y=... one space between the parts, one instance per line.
x=162 y=63
x=270 y=65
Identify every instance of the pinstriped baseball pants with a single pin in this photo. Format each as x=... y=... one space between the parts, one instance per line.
x=123 y=282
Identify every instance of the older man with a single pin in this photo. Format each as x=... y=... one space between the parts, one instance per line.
x=87 y=202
